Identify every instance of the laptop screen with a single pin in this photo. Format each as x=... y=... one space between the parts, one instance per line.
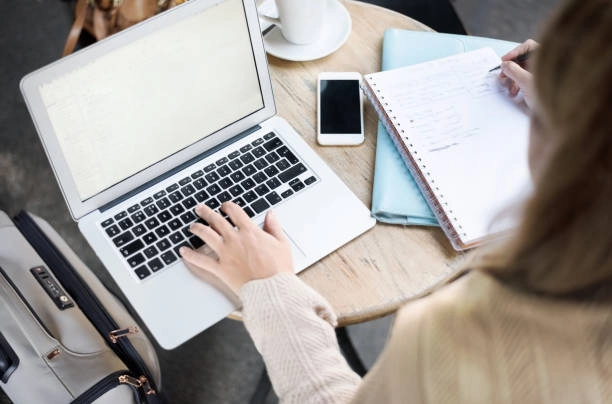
x=151 y=98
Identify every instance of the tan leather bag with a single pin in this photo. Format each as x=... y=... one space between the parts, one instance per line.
x=102 y=18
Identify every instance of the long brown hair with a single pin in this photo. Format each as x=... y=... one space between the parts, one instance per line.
x=564 y=242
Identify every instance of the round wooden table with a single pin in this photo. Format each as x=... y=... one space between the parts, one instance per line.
x=376 y=273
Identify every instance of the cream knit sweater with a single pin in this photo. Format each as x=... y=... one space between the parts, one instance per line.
x=474 y=341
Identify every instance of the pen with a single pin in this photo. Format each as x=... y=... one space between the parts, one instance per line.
x=520 y=59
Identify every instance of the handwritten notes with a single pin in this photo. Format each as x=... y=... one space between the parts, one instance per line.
x=467 y=137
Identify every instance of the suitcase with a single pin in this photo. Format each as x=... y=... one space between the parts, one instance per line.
x=64 y=338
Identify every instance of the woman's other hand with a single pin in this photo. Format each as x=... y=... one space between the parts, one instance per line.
x=517 y=77
x=244 y=252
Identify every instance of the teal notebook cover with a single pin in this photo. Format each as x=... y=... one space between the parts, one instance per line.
x=396 y=197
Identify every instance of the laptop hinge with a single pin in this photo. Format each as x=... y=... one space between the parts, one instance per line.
x=175 y=170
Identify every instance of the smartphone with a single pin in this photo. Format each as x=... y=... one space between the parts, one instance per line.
x=339 y=109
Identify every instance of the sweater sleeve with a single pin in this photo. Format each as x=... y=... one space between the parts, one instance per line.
x=292 y=327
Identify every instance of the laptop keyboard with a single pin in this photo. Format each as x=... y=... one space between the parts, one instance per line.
x=256 y=177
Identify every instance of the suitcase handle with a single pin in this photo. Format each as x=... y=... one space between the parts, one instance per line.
x=9 y=361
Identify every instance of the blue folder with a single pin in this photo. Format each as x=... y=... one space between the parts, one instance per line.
x=396 y=197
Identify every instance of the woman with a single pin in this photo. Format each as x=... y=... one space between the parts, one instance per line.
x=531 y=321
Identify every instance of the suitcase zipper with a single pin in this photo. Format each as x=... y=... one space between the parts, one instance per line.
x=83 y=296
x=113 y=380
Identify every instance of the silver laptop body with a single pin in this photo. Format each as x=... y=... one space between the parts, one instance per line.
x=172 y=112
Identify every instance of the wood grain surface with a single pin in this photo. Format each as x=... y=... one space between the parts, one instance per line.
x=379 y=271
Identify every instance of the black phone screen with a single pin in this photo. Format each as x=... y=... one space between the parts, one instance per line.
x=340 y=106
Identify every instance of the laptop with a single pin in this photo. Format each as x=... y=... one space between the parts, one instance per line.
x=176 y=111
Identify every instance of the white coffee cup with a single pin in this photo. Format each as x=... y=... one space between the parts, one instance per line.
x=300 y=21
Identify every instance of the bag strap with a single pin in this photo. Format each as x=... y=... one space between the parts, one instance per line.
x=88 y=302
x=80 y=9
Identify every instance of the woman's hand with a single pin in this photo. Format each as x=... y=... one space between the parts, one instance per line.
x=244 y=252
x=516 y=77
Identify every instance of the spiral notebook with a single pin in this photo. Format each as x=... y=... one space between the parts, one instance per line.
x=462 y=138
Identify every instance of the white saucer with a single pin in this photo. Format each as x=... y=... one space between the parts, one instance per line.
x=336 y=29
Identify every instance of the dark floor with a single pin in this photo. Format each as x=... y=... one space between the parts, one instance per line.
x=220 y=365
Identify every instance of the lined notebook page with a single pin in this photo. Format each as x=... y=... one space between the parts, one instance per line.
x=467 y=136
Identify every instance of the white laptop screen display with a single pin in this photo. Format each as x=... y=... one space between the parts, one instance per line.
x=145 y=101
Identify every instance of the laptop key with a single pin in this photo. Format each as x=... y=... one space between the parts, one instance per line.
x=249 y=170
x=212 y=203
x=272 y=144
x=213 y=189
x=133 y=208
x=197 y=174
x=291 y=173
x=185 y=181
x=151 y=210
x=258 y=151
x=164 y=216
x=185 y=230
x=209 y=168
x=221 y=161
x=176 y=237
x=249 y=211
x=126 y=224
x=196 y=242
x=146 y=202
x=150 y=252
x=224 y=196
x=112 y=231
x=175 y=196
x=199 y=183
x=142 y=272
x=177 y=209
x=155 y=265
x=149 y=238
x=120 y=215
x=247 y=158
x=201 y=196
x=178 y=247
x=234 y=154
x=297 y=185
x=159 y=194
x=283 y=165
x=136 y=259
x=246 y=148
x=273 y=183
x=262 y=190
x=250 y=196
x=131 y=248
x=273 y=198
x=260 y=205
x=189 y=203
x=240 y=202
x=168 y=257
x=237 y=176
x=188 y=190
x=287 y=193
x=163 y=203
x=138 y=217
x=310 y=180
x=223 y=171
x=123 y=239
x=269 y=136
x=248 y=183
x=107 y=222
x=139 y=230
x=257 y=142
x=162 y=231
x=260 y=164
x=272 y=157
x=188 y=217
x=163 y=245
x=225 y=183
x=235 y=164
x=236 y=190
x=175 y=224
x=260 y=177
x=271 y=171
x=152 y=223
x=172 y=188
